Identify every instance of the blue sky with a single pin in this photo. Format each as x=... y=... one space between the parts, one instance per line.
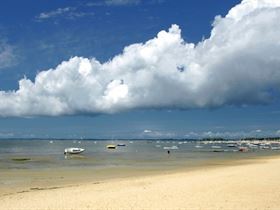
x=37 y=36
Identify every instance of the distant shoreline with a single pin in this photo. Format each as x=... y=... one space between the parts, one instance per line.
x=147 y=139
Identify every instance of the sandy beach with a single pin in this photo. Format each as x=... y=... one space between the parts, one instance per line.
x=248 y=186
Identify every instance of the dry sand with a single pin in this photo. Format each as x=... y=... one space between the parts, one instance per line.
x=250 y=186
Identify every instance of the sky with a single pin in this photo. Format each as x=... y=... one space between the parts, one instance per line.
x=139 y=68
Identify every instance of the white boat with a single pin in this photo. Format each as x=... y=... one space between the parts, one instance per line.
x=172 y=147
x=264 y=147
x=231 y=145
x=73 y=150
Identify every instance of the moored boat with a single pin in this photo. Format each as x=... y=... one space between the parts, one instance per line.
x=73 y=150
x=111 y=146
x=231 y=145
x=243 y=149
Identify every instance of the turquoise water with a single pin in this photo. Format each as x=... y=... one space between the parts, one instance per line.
x=42 y=154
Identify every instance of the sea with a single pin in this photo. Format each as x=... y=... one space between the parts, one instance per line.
x=146 y=154
x=27 y=165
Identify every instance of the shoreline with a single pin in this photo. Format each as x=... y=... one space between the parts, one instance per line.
x=248 y=176
x=27 y=180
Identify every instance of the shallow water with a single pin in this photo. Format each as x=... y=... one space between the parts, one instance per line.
x=40 y=164
x=42 y=154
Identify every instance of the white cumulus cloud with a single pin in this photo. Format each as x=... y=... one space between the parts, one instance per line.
x=239 y=64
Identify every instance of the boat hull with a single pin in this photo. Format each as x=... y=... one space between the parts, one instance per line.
x=73 y=150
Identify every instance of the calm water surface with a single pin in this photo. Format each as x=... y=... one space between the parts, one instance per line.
x=43 y=154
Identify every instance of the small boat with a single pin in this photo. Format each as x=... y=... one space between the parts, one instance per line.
x=172 y=147
x=121 y=145
x=264 y=147
x=243 y=149
x=231 y=145
x=73 y=150
x=111 y=146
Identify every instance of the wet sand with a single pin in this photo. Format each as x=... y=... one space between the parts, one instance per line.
x=251 y=185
